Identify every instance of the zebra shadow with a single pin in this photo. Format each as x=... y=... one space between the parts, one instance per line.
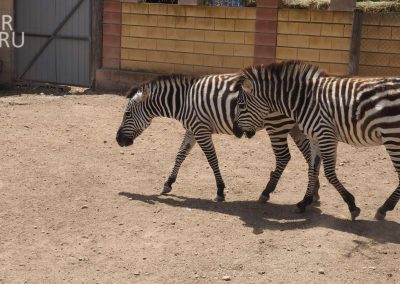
x=280 y=217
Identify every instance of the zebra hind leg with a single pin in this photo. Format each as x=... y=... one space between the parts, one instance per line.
x=187 y=144
x=393 y=148
x=389 y=204
x=328 y=153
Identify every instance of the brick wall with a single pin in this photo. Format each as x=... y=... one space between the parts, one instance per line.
x=143 y=40
x=6 y=54
x=380 y=45
x=186 y=39
x=319 y=37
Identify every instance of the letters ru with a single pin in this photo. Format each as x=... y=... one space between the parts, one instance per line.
x=7 y=34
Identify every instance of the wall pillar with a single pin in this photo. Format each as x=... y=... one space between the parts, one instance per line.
x=112 y=34
x=266 y=31
x=107 y=77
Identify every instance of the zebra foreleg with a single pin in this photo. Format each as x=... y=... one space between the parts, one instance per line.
x=282 y=157
x=317 y=185
x=187 y=145
x=393 y=149
x=313 y=157
x=328 y=153
x=206 y=144
x=314 y=162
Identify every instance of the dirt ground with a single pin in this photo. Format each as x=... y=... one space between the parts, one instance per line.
x=77 y=208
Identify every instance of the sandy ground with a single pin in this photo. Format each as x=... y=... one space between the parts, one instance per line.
x=77 y=208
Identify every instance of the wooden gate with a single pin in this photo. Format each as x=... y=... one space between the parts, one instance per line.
x=57 y=45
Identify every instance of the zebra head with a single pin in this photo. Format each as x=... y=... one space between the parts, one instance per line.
x=136 y=116
x=250 y=111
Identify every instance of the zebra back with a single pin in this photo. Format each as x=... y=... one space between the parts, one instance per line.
x=206 y=102
x=353 y=110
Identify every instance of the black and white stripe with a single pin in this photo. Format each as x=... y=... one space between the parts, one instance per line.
x=205 y=106
x=357 y=111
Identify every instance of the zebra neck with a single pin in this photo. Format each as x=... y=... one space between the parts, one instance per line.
x=294 y=100
x=169 y=94
x=168 y=104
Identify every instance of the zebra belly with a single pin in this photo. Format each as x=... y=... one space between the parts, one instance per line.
x=360 y=135
x=212 y=127
x=226 y=129
x=373 y=141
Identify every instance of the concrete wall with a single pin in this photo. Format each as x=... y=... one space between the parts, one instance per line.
x=380 y=45
x=6 y=54
x=319 y=37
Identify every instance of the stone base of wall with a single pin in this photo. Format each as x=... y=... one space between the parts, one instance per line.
x=118 y=80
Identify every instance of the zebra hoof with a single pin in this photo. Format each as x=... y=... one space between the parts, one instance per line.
x=167 y=189
x=355 y=213
x=380 y=215
x=300 y=208
x=316 y=203
x=263 y=198
x=219 y=198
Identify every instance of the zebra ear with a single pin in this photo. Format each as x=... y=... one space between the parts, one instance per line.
x=247 y=87
x=141 y=94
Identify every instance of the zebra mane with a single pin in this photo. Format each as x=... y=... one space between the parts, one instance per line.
x=173 y=77
x=280 y=68
x=132 y=91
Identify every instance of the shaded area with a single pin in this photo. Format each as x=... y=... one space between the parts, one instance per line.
x=272 y=216
x=35 y=88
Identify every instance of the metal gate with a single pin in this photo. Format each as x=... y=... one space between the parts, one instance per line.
x=57 y=41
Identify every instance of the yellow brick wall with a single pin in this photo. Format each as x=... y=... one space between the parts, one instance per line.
x=380 y=45
x=6 y=54
x=319 y=37
x=186 y=39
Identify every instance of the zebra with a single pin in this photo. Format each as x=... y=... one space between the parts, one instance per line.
x=356 y=111
x=205 y=106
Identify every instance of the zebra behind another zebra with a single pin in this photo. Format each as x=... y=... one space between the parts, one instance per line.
x=204 y=105
x=357 y=111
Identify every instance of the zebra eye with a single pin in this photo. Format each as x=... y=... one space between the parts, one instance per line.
x=128 y=114
x=241 y=105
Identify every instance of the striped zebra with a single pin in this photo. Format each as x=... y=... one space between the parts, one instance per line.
x=356 y=111
x=204 y=105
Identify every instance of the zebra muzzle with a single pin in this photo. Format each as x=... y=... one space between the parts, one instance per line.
x=237 y=131
x=249 y=134
x=124 y=140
